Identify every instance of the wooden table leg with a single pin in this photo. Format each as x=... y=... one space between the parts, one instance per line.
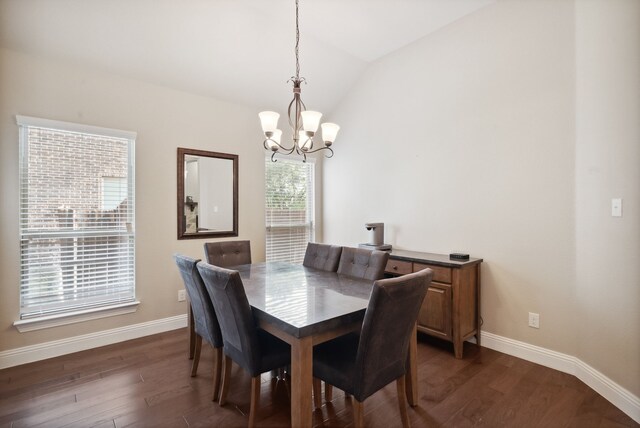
x=411 y=382
x=192 y=333
x=301 y=382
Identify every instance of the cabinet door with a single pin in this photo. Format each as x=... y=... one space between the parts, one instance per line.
x=435 y=313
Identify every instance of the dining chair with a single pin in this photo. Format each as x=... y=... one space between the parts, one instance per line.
x=361 y=364
x=223 y=254
x=363 y=263
x=205 y=321
x=228 y=253
x=359 y=263
x=322 y=256
x=253 y=349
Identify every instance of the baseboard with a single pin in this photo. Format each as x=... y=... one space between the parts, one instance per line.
x=616 y=394
x=42 y=351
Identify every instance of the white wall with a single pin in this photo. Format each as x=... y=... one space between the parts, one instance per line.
x=164 y=120
x=607 y=166
x=466 y=140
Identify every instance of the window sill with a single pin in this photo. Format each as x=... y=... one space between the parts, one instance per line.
x=75 y=317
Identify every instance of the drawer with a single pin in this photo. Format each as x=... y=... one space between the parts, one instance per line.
x=398 y=267
x=440 y=273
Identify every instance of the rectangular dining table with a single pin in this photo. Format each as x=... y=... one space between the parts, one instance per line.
x=304 y=307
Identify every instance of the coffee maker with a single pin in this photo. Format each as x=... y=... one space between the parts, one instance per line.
x=376 y=241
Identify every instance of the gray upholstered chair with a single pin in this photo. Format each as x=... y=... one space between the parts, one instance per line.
x=363 y=263
x=253 y=349
x=360 y=263
x=228 y=253
x=205 y=321
x=322 y=256
x=223 y=254
x=362 y=364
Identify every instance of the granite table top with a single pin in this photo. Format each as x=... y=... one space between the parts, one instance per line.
x=303 y=301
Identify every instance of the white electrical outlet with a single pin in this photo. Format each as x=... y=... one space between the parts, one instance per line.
x=182 y=295
x=616 y=207
x=534 y=320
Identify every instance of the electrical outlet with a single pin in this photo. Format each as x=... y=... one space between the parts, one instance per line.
x=534 y=320
x=182 y=295
x=616 y=207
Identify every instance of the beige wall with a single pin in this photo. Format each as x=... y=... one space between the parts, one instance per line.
x=466 y=141
x=608 y=166
x=164 y=120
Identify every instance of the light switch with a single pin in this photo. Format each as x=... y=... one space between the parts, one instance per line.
x=616 y=207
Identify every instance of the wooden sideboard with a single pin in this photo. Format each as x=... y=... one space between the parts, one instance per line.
x=451 y=308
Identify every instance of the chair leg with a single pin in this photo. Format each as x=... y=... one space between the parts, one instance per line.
x=196 y=355
x=192 y=332
x=358 y=414
x=402 y=401
x=328 y=392
x=226 y=375
x=317 y=394
x=217 y=371
x=255 y=400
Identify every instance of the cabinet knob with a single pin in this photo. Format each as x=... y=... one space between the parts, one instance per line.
x=395 y=268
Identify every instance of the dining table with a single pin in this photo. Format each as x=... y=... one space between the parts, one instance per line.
x=304 y=307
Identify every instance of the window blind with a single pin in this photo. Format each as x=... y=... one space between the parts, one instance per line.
x=289 y=209
x=77 y=210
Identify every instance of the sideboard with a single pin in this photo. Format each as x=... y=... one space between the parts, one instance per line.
x=451 y=308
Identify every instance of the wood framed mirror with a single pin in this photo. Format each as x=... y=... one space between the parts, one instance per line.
x=207 y=194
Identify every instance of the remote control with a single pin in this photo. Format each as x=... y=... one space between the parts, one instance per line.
x=459 y=256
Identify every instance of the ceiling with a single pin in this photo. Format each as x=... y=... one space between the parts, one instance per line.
x=235 y=50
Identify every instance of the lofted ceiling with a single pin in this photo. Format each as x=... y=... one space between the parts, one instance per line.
x=235 y=50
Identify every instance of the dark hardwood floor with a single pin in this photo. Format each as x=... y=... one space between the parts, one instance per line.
x=145 y=382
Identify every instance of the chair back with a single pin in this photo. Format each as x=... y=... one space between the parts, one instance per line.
x=204 y=316
x=239 y=331
x=322 y=256
x=386 y=330
x=228 y=253
x=363 y=263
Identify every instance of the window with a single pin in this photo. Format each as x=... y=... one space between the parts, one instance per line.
x=76 y=218
x=114 y=192
x=289 y=208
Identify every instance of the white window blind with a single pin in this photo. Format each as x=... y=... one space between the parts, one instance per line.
x=76 y=217
x=289 y=208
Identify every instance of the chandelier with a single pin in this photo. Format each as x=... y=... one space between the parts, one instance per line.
x=304 y=123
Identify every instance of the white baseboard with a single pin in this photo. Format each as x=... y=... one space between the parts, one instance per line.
x=42 y=351
x=616 y=394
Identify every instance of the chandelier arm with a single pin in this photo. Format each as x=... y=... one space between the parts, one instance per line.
x=281 y=147
x=319 y=149
x=272 y=157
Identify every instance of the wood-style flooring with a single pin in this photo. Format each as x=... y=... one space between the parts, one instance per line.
x=146 y=383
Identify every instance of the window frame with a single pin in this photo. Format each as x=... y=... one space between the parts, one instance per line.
x=88 y=309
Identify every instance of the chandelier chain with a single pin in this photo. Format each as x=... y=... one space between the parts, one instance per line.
x=297 y=44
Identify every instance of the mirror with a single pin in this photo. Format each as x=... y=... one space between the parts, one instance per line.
x=207 y=194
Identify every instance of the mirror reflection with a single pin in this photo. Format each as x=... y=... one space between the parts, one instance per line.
x=207 y=194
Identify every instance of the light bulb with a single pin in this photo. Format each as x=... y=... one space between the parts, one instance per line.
x=329 y=132
x=269 y=121
x=277 y=135
x=304 y=141
x=310 y=120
